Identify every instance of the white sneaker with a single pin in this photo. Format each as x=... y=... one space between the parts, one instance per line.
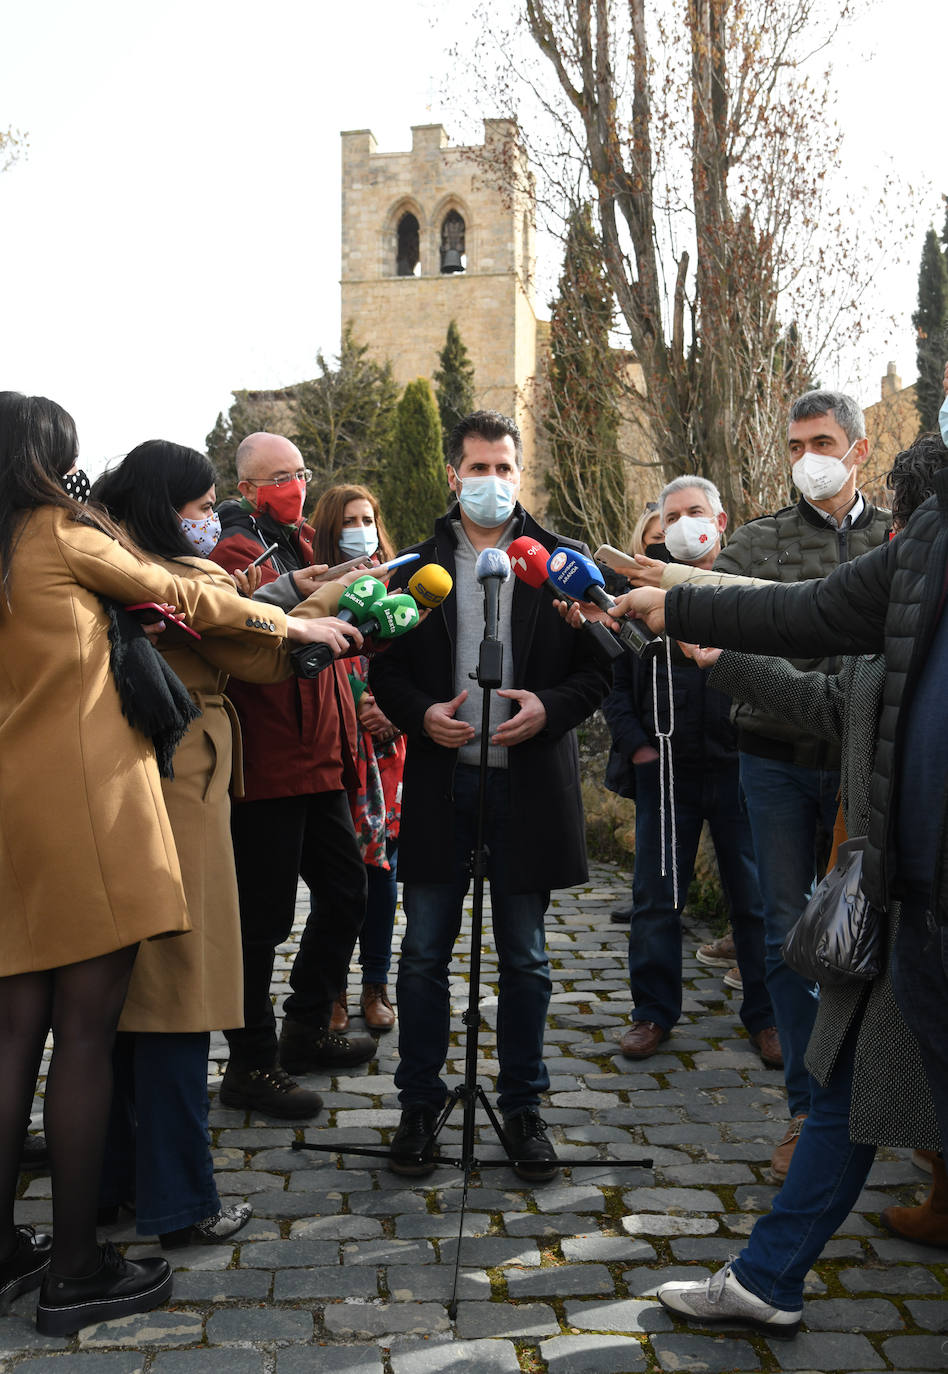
x=722 y=1299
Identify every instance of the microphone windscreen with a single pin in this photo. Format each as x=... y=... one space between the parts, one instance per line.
x=528 y=560
x=573 y=572
x=492 y=563
x=430 y=585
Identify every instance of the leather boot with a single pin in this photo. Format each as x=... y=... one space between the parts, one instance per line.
x=926 y=1224
x=339 y=1020
x=376 y=1008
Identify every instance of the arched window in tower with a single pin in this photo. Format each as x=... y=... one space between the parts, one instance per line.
x=453 y=256
x=407 y=258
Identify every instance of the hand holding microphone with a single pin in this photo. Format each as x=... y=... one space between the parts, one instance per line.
x=645 y=603
x=577 y=576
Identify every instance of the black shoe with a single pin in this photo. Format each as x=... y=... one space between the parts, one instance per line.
x=412 y=1145
x=531 y=1150
x=304 y=1049
x=271 y=1091
x=118 y=1288
x=622 y=915
x=24 y=1269
x=220 y=1226
x=35 y=1154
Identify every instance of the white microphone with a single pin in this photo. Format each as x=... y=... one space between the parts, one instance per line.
x=491 y=570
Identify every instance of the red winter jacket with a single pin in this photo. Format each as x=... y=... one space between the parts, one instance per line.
x=299 y=736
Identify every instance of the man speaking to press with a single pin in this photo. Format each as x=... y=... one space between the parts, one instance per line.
x=535 y=829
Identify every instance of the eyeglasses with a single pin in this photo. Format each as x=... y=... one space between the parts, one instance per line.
x=304 y=475
x=651 y=505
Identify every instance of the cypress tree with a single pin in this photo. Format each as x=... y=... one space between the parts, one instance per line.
x=586 y=480
x=454 y=382
x=414 y=488
x=931 y=323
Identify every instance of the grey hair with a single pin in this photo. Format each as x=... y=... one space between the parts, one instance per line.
x=845 y=411
x=702 y=484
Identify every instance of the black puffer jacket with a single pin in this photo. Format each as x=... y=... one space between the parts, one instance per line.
x=795 y=545
x=889 y=599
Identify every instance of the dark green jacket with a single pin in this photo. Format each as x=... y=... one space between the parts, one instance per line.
x=795 y=545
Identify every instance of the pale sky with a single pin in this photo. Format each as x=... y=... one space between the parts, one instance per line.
x=174 y=232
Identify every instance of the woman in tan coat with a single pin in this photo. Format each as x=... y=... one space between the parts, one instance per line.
x=88 y=866
x=158 y=1156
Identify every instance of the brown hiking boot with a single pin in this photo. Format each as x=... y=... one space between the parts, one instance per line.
x=926 y=1224
x=781 y=1157
x=718 y=953
x=376 y=1008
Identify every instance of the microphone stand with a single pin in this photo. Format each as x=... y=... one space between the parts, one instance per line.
x=470 y=1093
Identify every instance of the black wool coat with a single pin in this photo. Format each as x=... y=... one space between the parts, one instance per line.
x=550 y=659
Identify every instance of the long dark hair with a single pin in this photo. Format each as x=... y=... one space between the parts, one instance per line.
x=912 y=476
x=148 y=488
x=327 y=522
x=38 y=446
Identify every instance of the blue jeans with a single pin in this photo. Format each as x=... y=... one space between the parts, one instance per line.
x=920 y=983
x=158 y=1151
x=826 y=1175
x=787 y=805
x=375 y=938
x=655 y=928
x=433 y=914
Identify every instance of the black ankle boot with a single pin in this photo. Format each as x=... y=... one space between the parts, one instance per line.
x=117 y=1288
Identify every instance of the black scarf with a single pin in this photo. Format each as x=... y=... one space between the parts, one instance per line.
x=154 y=699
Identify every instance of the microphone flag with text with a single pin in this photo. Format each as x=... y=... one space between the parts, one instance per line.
x=577 y=577
x=528 y=559
x=430 y=585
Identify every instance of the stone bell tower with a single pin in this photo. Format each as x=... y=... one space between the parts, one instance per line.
x=442 y=233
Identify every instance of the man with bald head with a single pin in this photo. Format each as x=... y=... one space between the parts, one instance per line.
x=299 y=745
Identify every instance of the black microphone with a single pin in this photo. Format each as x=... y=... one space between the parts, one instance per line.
x=491 y=570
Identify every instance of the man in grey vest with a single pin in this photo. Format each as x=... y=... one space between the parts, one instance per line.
x=790 y=778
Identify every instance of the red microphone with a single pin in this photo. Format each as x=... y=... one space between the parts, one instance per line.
x=528 y=560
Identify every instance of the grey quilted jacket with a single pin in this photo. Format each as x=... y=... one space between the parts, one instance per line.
x=795 y=545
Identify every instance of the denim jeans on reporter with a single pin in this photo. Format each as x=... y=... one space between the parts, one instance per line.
x=827 y=1173
x=433 y=914
x=655 y=928
x=158 y=1152
x=788 y=806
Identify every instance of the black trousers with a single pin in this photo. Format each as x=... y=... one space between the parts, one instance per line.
x=276 y=842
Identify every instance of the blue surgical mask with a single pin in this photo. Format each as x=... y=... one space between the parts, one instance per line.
x=943 y=421
x=358 y=541
x=488 y=501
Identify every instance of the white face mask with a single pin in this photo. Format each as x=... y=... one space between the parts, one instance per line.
x=817 y=476
x=691 y=537
x=203 y=534
x=488 y=501
x=356 y=540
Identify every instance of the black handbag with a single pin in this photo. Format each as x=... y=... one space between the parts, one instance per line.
x=839 y=935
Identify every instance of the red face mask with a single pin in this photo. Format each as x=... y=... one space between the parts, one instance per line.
x=285 y=502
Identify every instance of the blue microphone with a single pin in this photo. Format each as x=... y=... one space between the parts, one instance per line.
x=577 y=576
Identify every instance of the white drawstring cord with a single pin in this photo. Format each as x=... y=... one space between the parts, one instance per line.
x=666 y=769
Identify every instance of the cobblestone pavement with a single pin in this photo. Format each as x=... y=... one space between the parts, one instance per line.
x=347 y=1270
